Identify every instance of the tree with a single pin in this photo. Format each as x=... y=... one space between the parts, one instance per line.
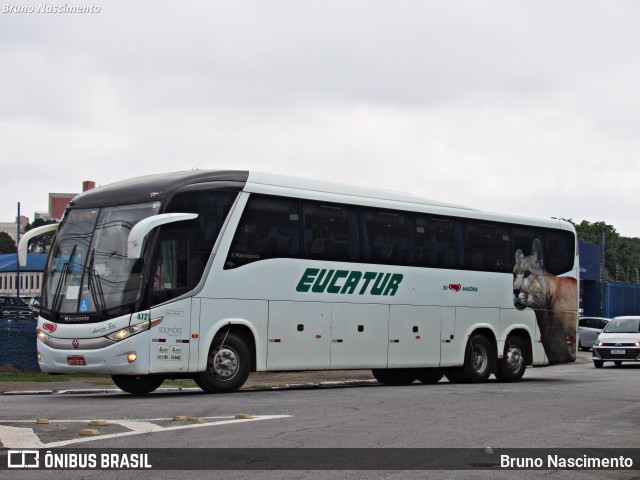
x=42 y=243
x=7 y=244
x=622 y=254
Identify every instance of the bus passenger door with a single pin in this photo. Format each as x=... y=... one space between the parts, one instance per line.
x=299 y=335
x=172 y=277
x=359 y=335
x=414 y=336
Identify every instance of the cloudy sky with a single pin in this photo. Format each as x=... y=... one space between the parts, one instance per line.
x=527 y=107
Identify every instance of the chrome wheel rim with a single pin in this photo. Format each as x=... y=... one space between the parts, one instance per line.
x=479 y=359
x=224 y=363
x=515 y=359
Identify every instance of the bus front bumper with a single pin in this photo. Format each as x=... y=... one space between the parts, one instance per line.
x=128 y=357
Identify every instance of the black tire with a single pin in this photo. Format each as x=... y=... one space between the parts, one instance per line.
x=598 y=363
x=581 y=348
x=394 y=376
x=617 y=363
x=456 y=375
x=429 y=376
x=479 y=362
x=137 y=384
x=228 y=365
x=512 y=365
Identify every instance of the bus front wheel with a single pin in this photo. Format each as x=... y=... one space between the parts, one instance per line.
x=137 y=384
x=228 y=365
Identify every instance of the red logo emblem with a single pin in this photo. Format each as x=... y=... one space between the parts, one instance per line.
x=456 y=287
x=75 y=344
x=49 y=327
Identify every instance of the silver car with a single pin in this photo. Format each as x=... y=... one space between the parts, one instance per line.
x=619 y=342
x=588 y=329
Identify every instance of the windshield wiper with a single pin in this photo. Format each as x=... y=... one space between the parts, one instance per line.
x=62 y=281
x=95 y=285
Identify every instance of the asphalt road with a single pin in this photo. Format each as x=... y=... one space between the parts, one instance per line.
x=567 y=406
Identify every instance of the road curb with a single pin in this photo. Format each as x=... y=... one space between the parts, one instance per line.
x=250 y=388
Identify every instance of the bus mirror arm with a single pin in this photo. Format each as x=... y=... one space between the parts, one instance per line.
x=28 y=236
x=141 y=229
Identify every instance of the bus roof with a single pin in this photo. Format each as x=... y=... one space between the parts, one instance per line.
x=153 y=187
x=262 y=181
x=273 y=184
x=162 y=187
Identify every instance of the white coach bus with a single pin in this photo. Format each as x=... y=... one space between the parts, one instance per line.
x=214 y=274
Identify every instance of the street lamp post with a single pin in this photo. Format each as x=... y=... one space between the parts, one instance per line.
x=18 y=266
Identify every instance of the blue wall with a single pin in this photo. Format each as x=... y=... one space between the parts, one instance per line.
x=621 y=299
x=617 y=298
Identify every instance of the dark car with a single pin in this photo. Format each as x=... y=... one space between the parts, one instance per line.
x=9 y=310
x=34 y=305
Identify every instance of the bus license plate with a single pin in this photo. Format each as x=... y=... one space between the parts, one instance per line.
x=76 y=360
x=617 y=352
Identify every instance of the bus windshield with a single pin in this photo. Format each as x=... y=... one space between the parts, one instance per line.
x=88 y=272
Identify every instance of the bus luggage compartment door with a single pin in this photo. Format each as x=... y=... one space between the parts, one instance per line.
x=299 y=336
x=414 y=336
x=359 y=335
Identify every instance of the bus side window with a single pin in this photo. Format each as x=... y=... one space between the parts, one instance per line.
x=559 y=252
x=171 y=270
x=425 y=243
x=487 y=247
x=388 y=237
x=330 y=232
x=269 y=228
x=448 y=234
x=522 y=238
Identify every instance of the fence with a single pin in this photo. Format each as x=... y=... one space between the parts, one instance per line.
x=621 y=299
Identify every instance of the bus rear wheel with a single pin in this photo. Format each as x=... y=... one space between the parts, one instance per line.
x=479 y=362
x=394 y=376
x=511 y=367
x=228 y=365
x=137 y=384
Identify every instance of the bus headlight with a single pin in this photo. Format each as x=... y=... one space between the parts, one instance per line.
x=127 y=332
x=131 y=330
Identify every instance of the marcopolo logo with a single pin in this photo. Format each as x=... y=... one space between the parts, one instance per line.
x=349 y=282
x=457 y=287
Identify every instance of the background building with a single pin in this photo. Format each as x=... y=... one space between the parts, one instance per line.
x=57 y=204
x=30 y=276
x=10 y=228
